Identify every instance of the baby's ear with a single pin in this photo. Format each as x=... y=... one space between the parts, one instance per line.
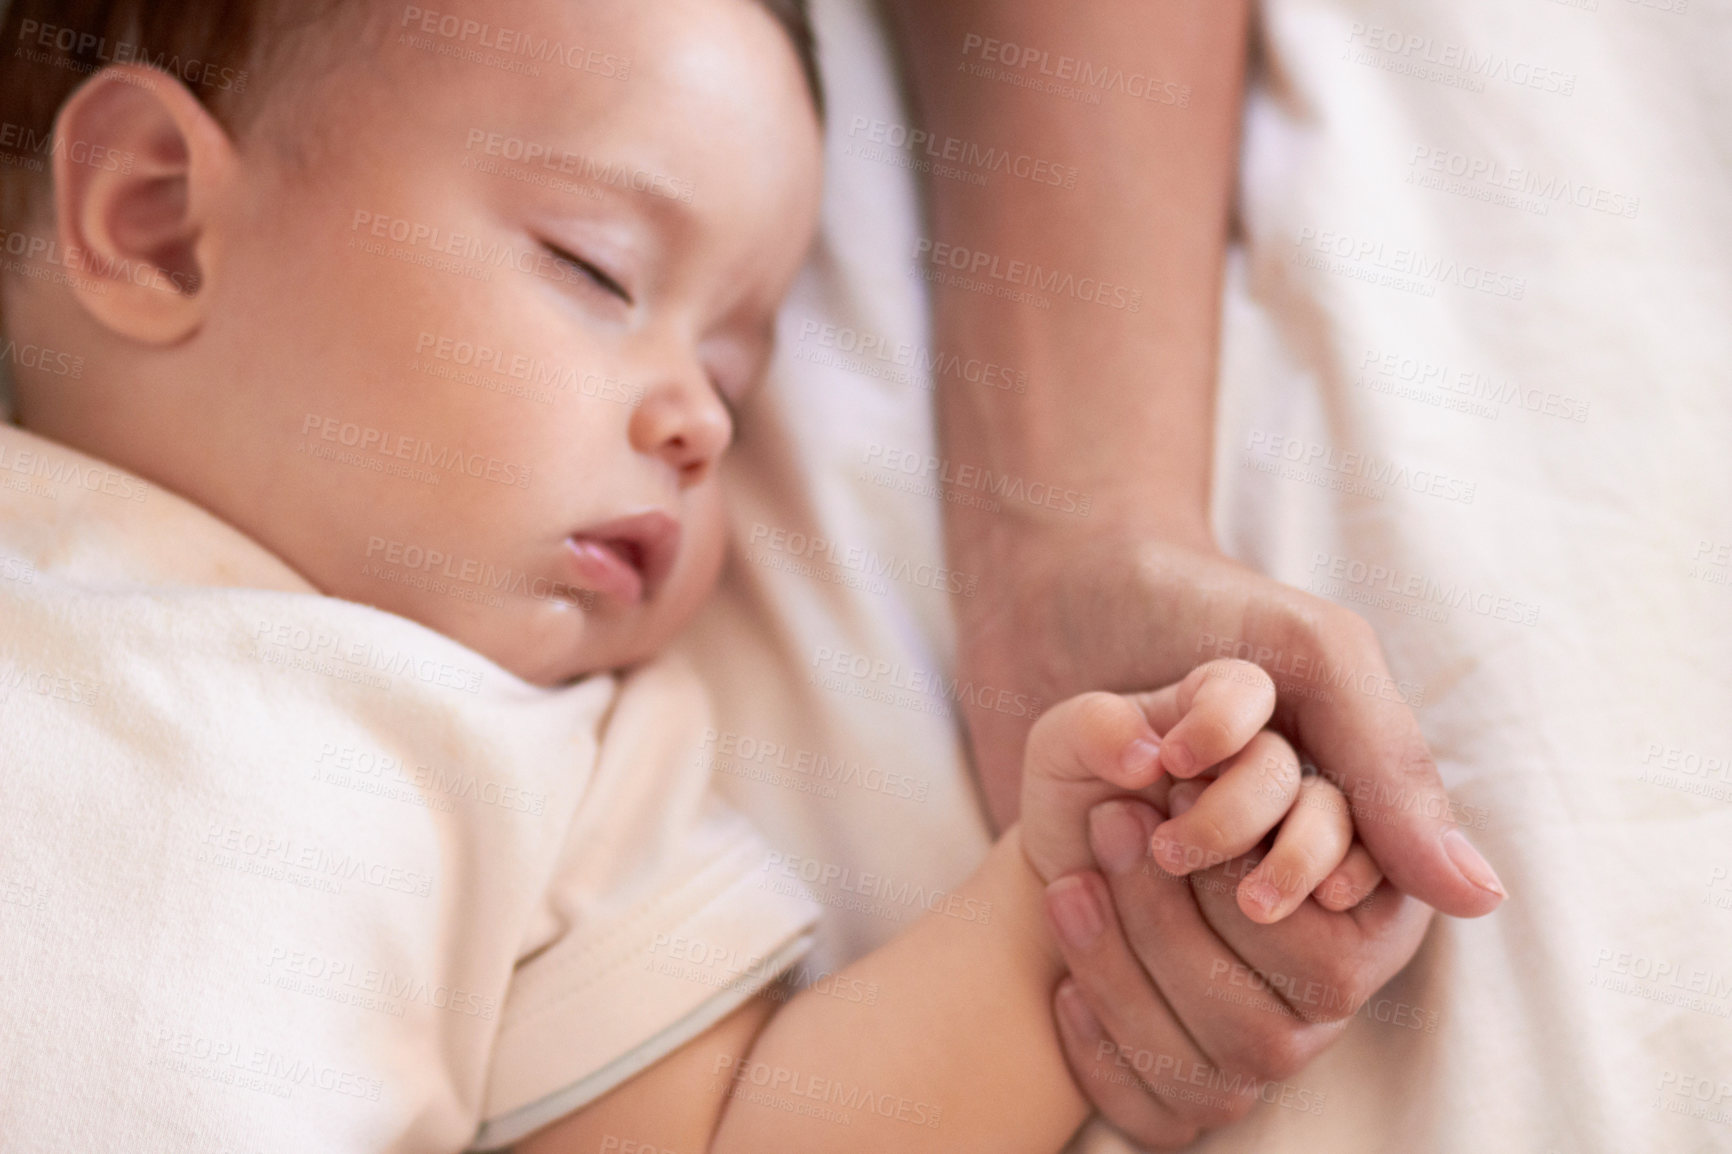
x=139 y=165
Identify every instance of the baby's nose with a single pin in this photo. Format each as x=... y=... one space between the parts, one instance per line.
x=685 y=424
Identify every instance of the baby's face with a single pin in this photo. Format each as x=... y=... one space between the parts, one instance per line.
x=492 y=323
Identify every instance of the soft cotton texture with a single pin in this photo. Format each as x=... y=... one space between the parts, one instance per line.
x=281 y=872
x=1542 y=535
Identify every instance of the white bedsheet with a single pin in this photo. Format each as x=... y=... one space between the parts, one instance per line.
x=1507 y=381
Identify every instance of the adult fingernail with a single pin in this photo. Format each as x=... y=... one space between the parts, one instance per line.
x=1077 y=1015
x=1472 y=866
x=1116 y=836
x=1139 y=755
x=1075 y=911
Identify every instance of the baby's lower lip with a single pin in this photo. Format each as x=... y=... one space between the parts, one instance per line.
x=601 y=568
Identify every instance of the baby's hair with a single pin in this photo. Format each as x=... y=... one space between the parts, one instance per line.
x=48 y=47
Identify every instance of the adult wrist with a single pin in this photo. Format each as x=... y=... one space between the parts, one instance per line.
x=988 y=534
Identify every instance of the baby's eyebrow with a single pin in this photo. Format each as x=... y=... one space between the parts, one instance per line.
x=637 y=178
x=659 y=201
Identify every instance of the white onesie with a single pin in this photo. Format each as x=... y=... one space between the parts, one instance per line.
x=280 y=872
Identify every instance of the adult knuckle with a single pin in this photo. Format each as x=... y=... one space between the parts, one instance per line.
x=1353 y=632
x=1284 y=1053
x=1208 y=1108
x=1228 y=1109
x=1247 y=675
x=1153 y=1125
x=1343 y=980
x=1175 y=1137
x=1414 y=760
x=1418 y=788
x=1323 y=1013
x=1258 y=677
x=1297 y=617
x=1408 y=777
x=1150 y=1121
x=1250 y=1049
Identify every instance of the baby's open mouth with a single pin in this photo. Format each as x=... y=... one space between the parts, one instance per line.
x=626 y=558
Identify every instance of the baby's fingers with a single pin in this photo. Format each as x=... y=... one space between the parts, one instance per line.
x=1222 y=705
x=1312 y=842
x=1234 y=812
x=1352 y=881
x=1094 y=736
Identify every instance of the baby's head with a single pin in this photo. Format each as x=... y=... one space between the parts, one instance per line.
x=447 y=305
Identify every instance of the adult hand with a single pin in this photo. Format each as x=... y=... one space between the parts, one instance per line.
x=1178 y=985
x=1119 y=405
x=1069 y=608
x=1180 y=1010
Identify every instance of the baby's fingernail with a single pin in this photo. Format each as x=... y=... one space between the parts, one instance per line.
x=1472 y=866
x=1116 y=836
x=1168 y=851
x=1182 y=799
x=1335 y=894
x=1261 y=896
x=1075 y=912
x=1139 y=755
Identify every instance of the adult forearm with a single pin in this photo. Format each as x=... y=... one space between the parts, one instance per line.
x=1118 y=265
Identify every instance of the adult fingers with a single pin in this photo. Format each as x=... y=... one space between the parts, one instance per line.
x=1141 y=1044
x=1351 y=716
x=1250 y=1032
x=1106 y=1072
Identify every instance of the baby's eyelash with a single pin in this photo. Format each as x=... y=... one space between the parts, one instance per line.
x=602 y=280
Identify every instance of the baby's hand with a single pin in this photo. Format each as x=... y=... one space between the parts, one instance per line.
x=1236 y=782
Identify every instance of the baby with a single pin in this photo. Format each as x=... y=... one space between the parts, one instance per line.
x=384 y=357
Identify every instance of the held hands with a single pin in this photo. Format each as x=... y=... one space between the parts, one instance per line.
x=1152 y=956
x=1092 y=607
x=1225 y=780
x=1200 y=973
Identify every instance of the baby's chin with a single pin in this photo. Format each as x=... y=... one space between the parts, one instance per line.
x=551 y=649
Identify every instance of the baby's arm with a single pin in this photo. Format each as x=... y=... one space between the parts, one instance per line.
x=957 y=1052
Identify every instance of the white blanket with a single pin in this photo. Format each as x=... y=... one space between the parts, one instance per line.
x=280 y=872
x=1486 y=252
